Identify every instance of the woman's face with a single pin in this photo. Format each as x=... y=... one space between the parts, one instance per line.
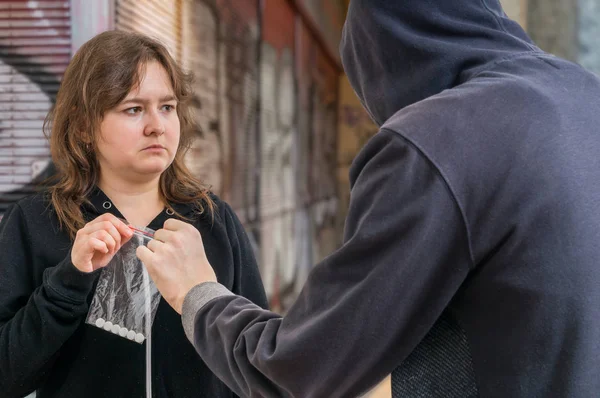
x=139 y=138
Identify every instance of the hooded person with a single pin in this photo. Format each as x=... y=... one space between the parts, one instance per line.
x=471 y=246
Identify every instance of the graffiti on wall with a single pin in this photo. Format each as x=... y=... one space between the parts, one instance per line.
x=298 y=155
x=23 y=166
x=34 y=52
x=278 y=191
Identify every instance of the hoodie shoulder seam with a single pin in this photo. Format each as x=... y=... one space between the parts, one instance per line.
x=508 y=58
x=450 y=189
x=498 y=21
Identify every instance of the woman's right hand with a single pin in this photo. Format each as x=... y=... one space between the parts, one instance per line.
x=98 y=241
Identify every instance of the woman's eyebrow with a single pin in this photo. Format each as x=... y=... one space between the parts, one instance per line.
x=138 y=100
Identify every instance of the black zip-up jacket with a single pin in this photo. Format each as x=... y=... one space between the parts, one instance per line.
x=45 y=343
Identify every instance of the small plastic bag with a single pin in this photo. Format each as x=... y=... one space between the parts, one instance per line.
x=125 y=300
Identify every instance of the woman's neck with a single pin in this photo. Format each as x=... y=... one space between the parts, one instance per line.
x=138 y=203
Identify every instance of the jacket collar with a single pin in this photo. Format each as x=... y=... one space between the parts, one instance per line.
x=100 y=203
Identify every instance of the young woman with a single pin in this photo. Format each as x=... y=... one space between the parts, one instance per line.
x=119 y=131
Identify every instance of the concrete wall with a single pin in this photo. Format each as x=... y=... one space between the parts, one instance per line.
x=553 y=26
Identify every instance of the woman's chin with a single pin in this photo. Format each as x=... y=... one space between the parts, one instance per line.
x=151 y=172
x=153 y=166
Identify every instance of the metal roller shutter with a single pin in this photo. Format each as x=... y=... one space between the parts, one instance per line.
x=35 y=46
x=160 y=19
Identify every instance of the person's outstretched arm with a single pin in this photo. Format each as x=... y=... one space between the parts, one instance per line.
x=363 y=309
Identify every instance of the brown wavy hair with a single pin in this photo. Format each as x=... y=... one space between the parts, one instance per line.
x=98 y=78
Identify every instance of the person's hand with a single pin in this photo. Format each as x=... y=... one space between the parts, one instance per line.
x=98 y=241
x=176 y=261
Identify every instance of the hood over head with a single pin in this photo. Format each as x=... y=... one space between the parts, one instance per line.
x=399 y=52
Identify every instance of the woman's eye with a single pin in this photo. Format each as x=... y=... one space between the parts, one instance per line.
x=133 y=111
x=168 y=108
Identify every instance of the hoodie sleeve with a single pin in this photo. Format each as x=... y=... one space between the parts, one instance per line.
x=34 y=321
x=365 y=307
x=247 y=279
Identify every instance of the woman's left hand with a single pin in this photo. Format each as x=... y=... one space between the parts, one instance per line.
x=176 y=261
